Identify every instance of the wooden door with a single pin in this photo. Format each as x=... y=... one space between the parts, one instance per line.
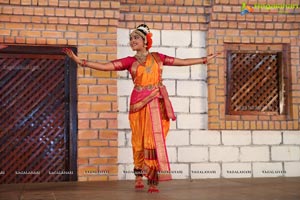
x=38 y=115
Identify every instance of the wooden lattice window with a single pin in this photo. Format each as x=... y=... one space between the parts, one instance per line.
x=38 y=117
x=256 y=83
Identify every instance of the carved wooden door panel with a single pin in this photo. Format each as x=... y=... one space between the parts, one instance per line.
x=37 y=132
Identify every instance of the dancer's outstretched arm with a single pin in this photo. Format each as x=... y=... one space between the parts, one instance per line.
x=110 y=67
x=94 y=65
x=194 y=61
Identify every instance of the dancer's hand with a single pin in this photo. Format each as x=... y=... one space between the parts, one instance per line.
x=211 y=56
x=2 y=46
x=71 y=54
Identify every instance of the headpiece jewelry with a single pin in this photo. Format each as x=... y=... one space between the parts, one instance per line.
x=144 y=31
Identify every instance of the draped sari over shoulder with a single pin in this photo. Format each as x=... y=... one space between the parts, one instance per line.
x=150 y=111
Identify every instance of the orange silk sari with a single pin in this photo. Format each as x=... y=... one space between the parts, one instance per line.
x=150 y=111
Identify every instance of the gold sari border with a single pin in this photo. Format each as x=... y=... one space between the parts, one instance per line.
x=168 y=104
x=161 y=150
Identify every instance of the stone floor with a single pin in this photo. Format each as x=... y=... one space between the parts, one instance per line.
x=209 y=189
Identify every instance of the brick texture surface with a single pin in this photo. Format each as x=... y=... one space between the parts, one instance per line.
x=91 y=26
x=229 y=30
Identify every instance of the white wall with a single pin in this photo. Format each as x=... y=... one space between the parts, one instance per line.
x=194 y=151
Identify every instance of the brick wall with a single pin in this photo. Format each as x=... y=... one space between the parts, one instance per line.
x=91 y=26
x=228 y=28
x=258 y=151
x=166 y=15
x=232 y=154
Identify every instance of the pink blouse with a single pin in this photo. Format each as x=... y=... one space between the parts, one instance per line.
x=126 y=63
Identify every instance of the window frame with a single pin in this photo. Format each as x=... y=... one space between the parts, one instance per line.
x=284 y=82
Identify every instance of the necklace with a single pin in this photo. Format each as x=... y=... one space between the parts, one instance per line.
x=142 y=60
x=141 y=57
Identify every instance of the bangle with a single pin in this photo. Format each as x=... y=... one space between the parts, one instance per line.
x=204 y=60
x=83 y=63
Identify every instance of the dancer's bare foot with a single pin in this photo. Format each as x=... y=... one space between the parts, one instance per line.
x=139 y=182
x=153 y=189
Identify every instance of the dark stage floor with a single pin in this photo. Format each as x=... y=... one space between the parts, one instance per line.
x=208 y=189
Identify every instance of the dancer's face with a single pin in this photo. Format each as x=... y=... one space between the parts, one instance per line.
x=136 y=42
